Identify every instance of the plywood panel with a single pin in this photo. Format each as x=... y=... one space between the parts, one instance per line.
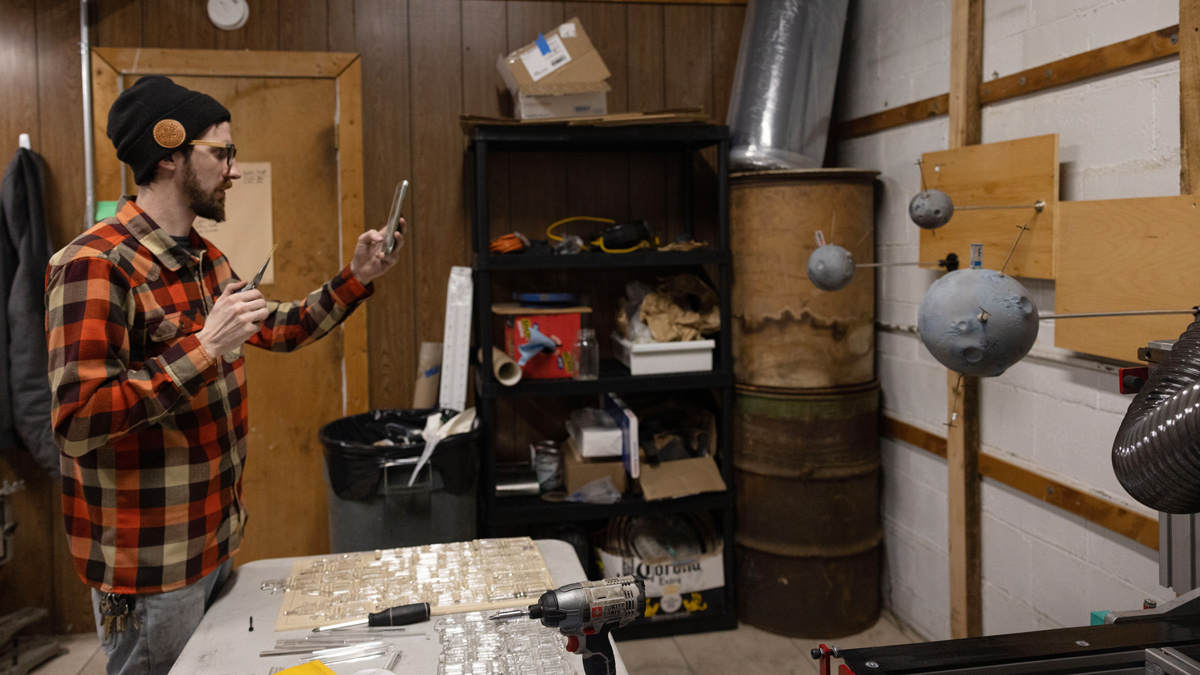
x=727 y=38
x=18 y=72
x=261 y=31
x=1120 y=255
x=382 y=30
x=291 y=395
x=485 y=37
x=26 y=581
x=177 y=24
x=598 y=183
x=303 y=25
x=341 y=26
x=647 y=171
x=687 y=82
x=440 y=235
x=1015 y=172
x=60 y=106
x=116 y=23
x=539 y=185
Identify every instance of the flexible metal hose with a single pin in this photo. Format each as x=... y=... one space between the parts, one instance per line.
x=1156 y=454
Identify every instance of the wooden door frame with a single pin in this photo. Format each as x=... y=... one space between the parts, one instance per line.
x=110 y=64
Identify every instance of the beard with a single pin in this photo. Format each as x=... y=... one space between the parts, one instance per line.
x=203 y=204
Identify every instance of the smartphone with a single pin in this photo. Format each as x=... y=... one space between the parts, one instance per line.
x=389 y=236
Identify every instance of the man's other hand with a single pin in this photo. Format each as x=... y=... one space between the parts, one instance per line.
x=370 y=262
x=234 y=318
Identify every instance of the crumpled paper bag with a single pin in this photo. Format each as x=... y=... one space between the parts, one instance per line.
x=681 y=309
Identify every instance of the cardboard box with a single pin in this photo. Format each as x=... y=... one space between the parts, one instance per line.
x=579 y=471
x=558 y=75
x=675 y=589
x=560 y=325
x=595 y=438
x=680 y=478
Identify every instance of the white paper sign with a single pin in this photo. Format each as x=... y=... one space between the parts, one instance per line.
x=540 y=65
x=567 y=30
x=246 y=236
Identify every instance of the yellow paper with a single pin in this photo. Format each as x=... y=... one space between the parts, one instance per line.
x=246 y=236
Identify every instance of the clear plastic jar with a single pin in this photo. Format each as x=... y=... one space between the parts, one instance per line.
x=587 y=355
x=548 y=465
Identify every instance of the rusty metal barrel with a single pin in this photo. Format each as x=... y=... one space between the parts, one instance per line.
x=807 y=474
x=787 y=333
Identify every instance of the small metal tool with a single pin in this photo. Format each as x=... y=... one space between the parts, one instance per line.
x=258 y=277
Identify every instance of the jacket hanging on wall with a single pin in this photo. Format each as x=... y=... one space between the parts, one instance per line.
x=24 y=254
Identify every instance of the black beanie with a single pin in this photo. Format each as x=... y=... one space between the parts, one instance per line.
x=154 y=117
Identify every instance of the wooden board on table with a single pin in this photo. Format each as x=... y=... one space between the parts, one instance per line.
x=1018 y=172
x=290 y=619
x=1121 y=255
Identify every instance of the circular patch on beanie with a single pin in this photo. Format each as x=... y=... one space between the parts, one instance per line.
x=169 y=133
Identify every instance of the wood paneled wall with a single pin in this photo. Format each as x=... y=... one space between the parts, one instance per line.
x=424 y=63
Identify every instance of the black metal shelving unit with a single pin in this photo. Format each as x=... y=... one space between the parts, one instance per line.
x=684 y=141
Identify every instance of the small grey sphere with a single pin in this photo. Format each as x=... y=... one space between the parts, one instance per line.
x=931 y=209
x=950 y=326
x=830 y=267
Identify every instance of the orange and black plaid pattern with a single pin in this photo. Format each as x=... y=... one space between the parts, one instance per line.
x=153 y=428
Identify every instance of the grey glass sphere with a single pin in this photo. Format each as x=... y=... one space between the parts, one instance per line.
x=931 y=209
x=950 y=326
x=830 y=267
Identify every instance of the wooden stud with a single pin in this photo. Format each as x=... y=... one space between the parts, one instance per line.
x=1189 y=97
x=962 y=464
x=966 y=70
x=966 y=606
x=1135 y=51
x=355 y=349
x=1107 y=59
x=225 y=62
x=1109 y=515
x=934 y=106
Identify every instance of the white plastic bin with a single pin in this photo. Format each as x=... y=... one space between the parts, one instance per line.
x=656 y=358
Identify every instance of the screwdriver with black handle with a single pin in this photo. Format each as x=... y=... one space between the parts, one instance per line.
x=401 y=615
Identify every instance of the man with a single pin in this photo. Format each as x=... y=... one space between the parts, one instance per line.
x=145 y=326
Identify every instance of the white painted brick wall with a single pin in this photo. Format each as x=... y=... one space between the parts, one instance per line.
x=1119 y=138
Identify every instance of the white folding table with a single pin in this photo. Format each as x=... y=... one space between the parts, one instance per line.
x=224 y=645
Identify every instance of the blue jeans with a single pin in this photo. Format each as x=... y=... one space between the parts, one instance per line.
x=161 y=625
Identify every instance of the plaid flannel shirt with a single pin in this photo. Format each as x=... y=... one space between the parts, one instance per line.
x=152 y=428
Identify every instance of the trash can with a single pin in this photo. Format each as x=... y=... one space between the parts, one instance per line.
x=368 y=461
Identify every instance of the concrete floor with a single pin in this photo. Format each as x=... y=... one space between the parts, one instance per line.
x=746 y=650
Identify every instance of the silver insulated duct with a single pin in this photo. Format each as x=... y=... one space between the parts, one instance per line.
x=783 y=87
x=1156 y=454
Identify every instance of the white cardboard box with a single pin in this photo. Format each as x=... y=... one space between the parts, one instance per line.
x=655 y=358
x=594 y=442
x=587 y=104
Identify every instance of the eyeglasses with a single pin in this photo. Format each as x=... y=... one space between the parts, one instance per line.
x=230 y=150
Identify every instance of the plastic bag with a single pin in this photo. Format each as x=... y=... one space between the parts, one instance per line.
x=599 y=491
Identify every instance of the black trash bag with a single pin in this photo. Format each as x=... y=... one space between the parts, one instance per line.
x=355 y=464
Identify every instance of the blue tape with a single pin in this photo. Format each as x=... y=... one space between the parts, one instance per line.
x=542 y=45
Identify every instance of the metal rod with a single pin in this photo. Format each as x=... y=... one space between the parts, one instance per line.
x=1091 y=315
x=89 y=178
x=1013 y=250
x=897 y=264
x=1038 y=206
